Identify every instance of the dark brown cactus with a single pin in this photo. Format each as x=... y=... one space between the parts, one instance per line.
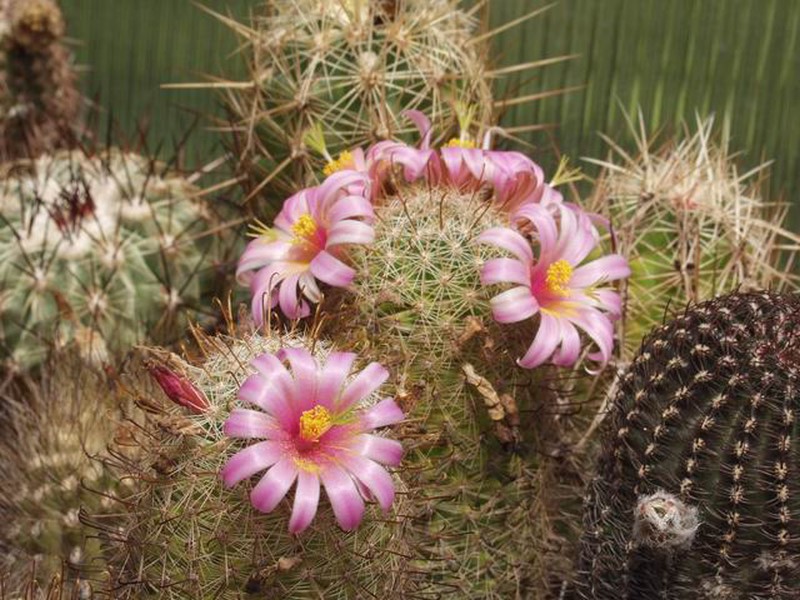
x=697 y=493
x=39 y=100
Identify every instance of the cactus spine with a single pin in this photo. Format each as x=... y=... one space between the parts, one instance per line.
x=694 y=495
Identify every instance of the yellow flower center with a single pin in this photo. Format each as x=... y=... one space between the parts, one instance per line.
x=303 y=228
x=459 y=143
x=558 y=276
x=344 y=161
x=314 y=423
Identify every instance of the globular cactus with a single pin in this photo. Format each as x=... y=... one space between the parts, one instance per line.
x=692 y=224
x=186 y=535
x=353 y=66
x=39 y=101
x=55 y=428
x=98 y=251
x=694 y=496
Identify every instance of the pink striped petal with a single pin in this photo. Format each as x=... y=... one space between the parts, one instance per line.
x=306 y=501
x=274 y=485
x=255 y=390
x=606 y=268
x=309 y=288
x=351 y=207
x=508 y=239
x=251 y=460
x=247 y=423
x=545 y=342
x=304 y=371
x=292 y=305
x=422 y=122
x=303 y=202
x=386 y=412
x=514 y=305
x=374 y=477
x=350 y=232
x=569 y=350
x=598 y=327
x=332 y=377
x=502 y=270
x=380 y=449
x=331 y=270
x=366 y=382
x=543 y=222
x=347 y=504
x=260 y=253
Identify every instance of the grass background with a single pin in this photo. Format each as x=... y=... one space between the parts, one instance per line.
x=738 y=59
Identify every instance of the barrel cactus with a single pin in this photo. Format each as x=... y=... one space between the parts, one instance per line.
x=39 y=100
x=188 y=535
x=97 y=251
x=692 y=224
x=56 y=426
x=354 y=66
x=693 y=493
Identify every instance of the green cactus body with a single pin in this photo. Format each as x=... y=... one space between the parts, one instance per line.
x=691 y=225
x=54 y=429
x=186 y=536
x=98 y=251
x=694 y=495
x=39 y=100
x=353 y=66
x=474 y=416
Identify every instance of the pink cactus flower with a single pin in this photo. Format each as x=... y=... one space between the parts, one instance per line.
x=515 y=179
x=566 y=295
x=307 y=244
x=415 y=162
x=316 y=431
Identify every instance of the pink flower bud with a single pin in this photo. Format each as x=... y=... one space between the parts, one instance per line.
x=179 y=389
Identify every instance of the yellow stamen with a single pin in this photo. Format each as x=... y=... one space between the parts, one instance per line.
x=309 y=466
x=259 y=229
x=459 y=143
x=344 y=161
x=558 y=276
x=314 y=423
x=304 y=228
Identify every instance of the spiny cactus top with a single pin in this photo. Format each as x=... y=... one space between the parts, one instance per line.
x=696 y=494
x=98 y=250
x=39 y=100
x=316 y=433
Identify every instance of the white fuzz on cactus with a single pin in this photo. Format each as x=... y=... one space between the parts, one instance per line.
x=96 y=250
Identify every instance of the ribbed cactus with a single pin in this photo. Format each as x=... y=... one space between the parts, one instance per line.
x=39 y=100
x=352 y=66
x=97 y=250
x=55 y=428
x=691 y=223
x=476 y=418
x=695 y=495
x=185 y=535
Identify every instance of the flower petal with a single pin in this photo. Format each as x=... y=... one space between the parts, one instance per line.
x=386 y=412
x=251 y=460
x=380 y=449
x=543 y=222
x=545 y=342
x=374 y=477
x=567 y=354
x=274 y=400
x=598 y=327
x=331 y=270
x=347 y=504
x=292 y=305
x=502 y=270
x=274 y=485
x=304 y=371
x=332 y=377
x=516 y=304
x=508 y=239
x=350 y=231
x=306 y=501
x=366 y=382
x=606 y=268
x=247 y=423
x=258 y=254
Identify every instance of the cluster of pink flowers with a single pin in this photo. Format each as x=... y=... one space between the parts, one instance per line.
x=547 y=237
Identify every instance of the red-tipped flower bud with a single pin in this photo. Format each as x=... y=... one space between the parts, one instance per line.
x=179 y=389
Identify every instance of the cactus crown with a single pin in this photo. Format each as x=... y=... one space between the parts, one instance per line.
x=705 y=421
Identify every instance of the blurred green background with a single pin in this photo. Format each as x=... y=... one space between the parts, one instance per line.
x=739 y=59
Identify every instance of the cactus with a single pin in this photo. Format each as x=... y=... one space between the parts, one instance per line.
x=39 y=101
x=693 y=497
x=354 y=66
x=188 y=536
x=476 y=418
x=692 y=225
x=97 y=250
x=55 y=427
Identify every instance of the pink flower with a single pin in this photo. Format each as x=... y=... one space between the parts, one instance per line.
x=306 y=244
x=316 y=431
x=515 y=179
x=566 y=296
x=415 y=162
